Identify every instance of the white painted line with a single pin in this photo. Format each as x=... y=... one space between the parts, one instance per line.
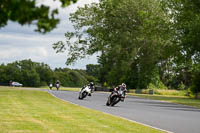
x=113 y=115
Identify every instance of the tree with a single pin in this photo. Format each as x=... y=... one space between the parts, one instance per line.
x=93 y=70
x=195 y=85
x=131 y=36
x=71 y=78
x=27 y=12
x=34 y=74
x=31 y=78
x=45 y=73
x=185 y=16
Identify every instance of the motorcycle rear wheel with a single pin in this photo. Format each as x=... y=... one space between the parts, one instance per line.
x=115 y=101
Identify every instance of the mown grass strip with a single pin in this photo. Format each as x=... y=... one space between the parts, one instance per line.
x=173 y=99
x=31 y=111
x=63 y=88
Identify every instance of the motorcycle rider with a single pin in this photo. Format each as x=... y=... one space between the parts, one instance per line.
x=123 y=88
x=57 y=84
x=50 y=86
x=91 y=86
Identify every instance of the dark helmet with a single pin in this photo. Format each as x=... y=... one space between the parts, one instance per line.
x=123 y=85
x=91 y=84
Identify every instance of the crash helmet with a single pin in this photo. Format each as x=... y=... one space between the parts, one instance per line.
x=91 y=84
x=123 y=85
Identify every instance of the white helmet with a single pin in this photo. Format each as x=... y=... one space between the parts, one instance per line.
x=123 y=85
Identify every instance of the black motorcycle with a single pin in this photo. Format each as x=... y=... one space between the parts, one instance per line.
x=115 y=97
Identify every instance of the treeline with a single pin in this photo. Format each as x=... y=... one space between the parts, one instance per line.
x=34 y=74
x=144 y=43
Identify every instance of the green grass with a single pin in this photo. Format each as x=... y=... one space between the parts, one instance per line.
x=63 y=88
x=173 y=99
x=173 y=96
x=33 y=111
x=170 y=92
x=163 y=92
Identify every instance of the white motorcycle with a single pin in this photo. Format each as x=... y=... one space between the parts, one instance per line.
x=57 y=86
x=84 y=92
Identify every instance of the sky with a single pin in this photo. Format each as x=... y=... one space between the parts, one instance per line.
x=21 y=42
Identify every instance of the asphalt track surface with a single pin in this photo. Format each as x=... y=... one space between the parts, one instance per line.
x=162 y=115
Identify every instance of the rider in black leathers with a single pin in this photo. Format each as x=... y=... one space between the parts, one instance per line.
x=123 y=88
x=57 y=84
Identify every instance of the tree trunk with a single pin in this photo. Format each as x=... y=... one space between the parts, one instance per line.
x=196 y=95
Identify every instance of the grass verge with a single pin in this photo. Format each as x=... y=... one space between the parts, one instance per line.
x=63 y=88
x=173 y=99
x=32 y=111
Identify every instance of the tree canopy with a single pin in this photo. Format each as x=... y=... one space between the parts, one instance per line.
x=36 y=74
x=27 y=12
x=129 y=34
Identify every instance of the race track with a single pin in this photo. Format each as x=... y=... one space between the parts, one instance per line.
x=167 y=116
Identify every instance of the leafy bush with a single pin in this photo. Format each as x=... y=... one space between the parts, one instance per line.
x=43 y=83
x=181 y=86
x=160 y=85
x=163 y=92
x=170 y=92
x=189 y=93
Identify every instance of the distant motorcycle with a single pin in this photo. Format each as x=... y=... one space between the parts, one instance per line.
x=115 y=97
x=84 y=92
x=50 y=86
x=57 y=86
